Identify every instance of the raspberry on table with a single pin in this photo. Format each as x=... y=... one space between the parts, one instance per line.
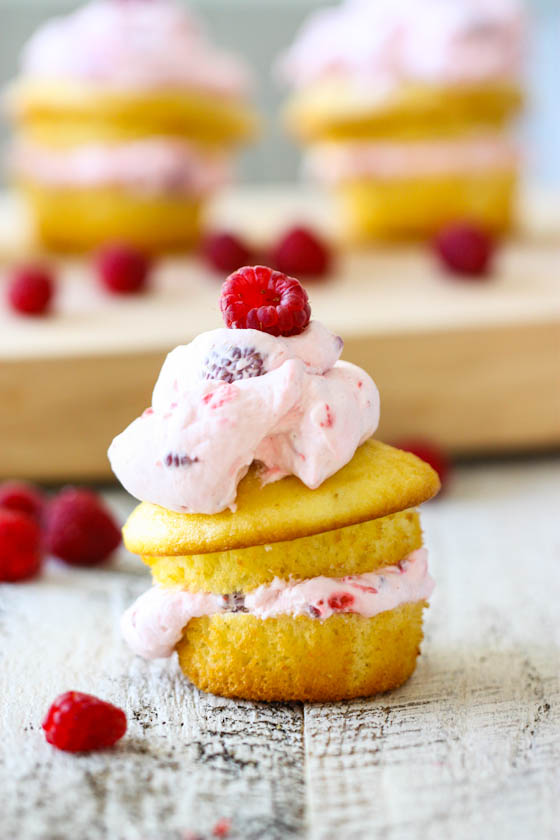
x=465 y=249
x=259 y=298
x=222 y=828
x=225 y=251
x=303 y=252
x=80 y=530
x=122 y=269
x=31 y=289
x=20 y=546
x=431 y=453
x=78 y=722
x=19 y=495
x=230 y=363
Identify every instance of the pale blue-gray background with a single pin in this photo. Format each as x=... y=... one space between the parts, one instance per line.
x=261 y=28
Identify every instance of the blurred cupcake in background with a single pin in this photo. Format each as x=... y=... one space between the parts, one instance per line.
x=126 y=120
x=405 y=106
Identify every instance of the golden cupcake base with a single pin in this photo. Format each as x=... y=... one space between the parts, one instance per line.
x=302 y=658
x=81 y=219
x=410 y=208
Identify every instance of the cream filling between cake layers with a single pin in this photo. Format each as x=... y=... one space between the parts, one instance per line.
x=154 y=624
x=335 y=162
x=157 y=165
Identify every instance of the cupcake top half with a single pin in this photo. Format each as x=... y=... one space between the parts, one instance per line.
x=130 y=45
x=365 y=55
x=144 y=65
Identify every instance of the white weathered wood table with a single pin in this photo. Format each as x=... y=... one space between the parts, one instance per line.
x=469 y=748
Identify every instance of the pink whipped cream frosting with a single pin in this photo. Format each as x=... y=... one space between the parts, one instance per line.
x=232 y=397
x=153 y=166
x=154 y=624
x=435 y=41
x=336 y=162
x=132 y=44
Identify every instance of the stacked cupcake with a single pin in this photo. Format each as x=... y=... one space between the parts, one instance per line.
x=126 y=119
x=283 y=539
x=405 y=108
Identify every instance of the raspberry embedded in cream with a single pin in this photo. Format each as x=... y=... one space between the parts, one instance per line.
x=450 y=41
x=235 y=396
x=137 y=44
x=154 y=624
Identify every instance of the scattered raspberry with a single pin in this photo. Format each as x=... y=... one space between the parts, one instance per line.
x=341 y=601
x=231 y=363
x=222 y=828
x=262 y=299
x=226 y=252
x=123 y=270
x=79 y=528
x=78 y=722
x=31 y=290
x=18 y=495
x=465 y=249
x=20 y=546
x=302 y=251
x=432 y=454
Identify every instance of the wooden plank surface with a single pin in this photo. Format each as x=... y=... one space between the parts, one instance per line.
x=474 y=365
x=469 y=748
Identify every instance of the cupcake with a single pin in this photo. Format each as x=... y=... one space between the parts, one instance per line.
x=126 y=118
x=283 y=539
x=404 y=108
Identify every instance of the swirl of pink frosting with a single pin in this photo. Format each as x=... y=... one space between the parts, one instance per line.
x=154 y=624
x=437 y=41
x=131 y=44
x=235 y=396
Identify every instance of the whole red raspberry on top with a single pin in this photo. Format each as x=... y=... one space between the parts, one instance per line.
x=20 y=546
x=225 y=251
x=31 y=289
x=78 y=722
x=431 y=453
x=259 y=298
x=123 y=270
x=465 y=249
x=18 y=495
x=303 y=252
x=79 y=528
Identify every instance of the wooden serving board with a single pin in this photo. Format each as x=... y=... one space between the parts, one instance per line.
x=474 y=366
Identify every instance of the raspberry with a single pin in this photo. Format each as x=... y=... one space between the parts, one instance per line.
x=20 y=546
x=225 y=251
x=431 y=453
x=30 y=290
x=341 y=601
x=78 y=722
x=262 y=299
x=301 y=251
x=123 y=270
x=465 y=249
x=17 y=495
x=222 y=828
x=174 y=460
x=231 y=363
x=79 y=528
